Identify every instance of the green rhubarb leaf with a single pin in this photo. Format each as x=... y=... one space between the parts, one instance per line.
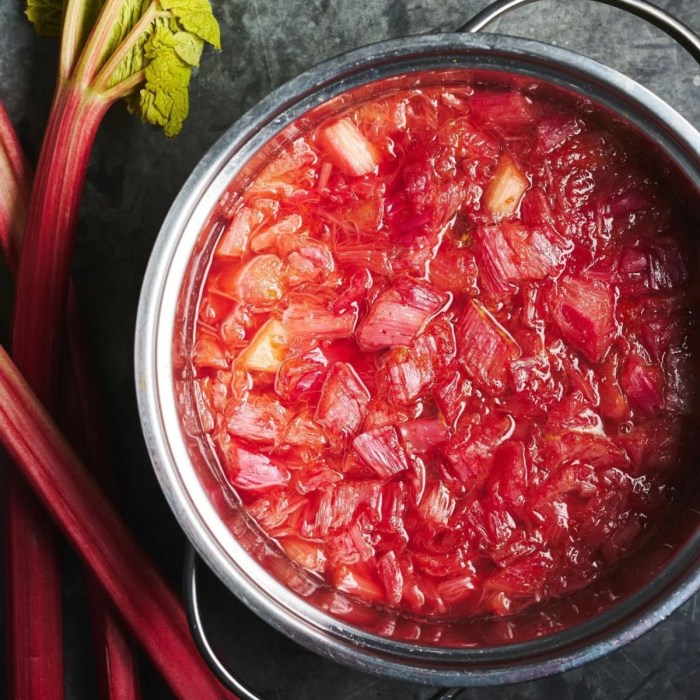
x=188 y=47
x=149 y=50
x=196 y=17
x=169 y=44
x=46 y=16
x=164 y=100
x=134 y=60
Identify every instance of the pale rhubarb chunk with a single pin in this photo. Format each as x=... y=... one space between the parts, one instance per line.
x=267 y=350
x=347 y=147
x=505 y=191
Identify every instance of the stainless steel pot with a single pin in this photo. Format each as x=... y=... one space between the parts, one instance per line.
x=454 y=652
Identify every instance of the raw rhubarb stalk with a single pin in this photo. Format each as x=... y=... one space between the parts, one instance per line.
x=91 y=524
x=117 y=668
x=117 y=665
x=34 y=632
x=32 y=566
x=126 y=49
x=15 y=185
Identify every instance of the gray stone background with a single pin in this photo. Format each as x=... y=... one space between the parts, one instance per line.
x=134 y=175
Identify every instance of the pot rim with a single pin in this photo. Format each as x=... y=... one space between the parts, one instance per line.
x=264 y=594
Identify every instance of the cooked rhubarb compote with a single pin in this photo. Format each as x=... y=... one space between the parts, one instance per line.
x=444 y=351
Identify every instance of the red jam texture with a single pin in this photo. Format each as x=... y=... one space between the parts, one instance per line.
x=444 y=350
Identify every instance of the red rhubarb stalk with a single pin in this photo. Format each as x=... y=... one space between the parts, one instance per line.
x=132 y=48
x=32 y=567
x=15 y=186
x=89 y=521
x=117 y=669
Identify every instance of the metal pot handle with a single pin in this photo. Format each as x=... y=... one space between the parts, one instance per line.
x=194 y=618
x=685 y=36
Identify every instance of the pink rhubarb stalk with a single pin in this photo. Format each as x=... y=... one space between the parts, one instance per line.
x=117 y=669
x=93 y=527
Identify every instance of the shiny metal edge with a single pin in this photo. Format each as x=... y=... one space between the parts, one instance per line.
x=154 y=341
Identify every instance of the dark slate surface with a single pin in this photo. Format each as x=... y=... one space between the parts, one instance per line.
x=134 y=175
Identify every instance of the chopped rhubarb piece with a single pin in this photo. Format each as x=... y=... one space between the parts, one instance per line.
x=343 y=403
x=348 y=148
x=437 y=505
x=642 y=383
x=453 y=269
x=358 y=582
x=451 y=393
x=308 y=554
x=251 y=471
x=471 y=457
x=383 y=117
x=391 y=577
x=519 y=585
x=234 y=239
x=586 y=448
x=399 y=313
x=668 y=268
x=302 y=431
x=652 y=445
x=339 y=505
x=506 y=109
x=485 y=347
x=381 y=450
x=510 y=478
x=553 y=131
x=654 y=266
x=308 y=480
x=301 y=375
x=234 y=327
x=214 y=307
x=539 y=251
x=423 y=435
x=361 y=543
x=660 y=334
x=308 y=260
x=496 y=260
x=376 y=254
x=416 y=479
x=470 y=461
x=408 y=375
x=613 y=403
x=287 y=173
x=259 y=282
x=437 y=344
x=583 y=308
x=277 y=511
x=365 y=215
x=268 y=237
x=261 y=418
x=505 y=191
x=307 y=320
x=440 y=564
x=267 y=350
x=354 y=292
x=453 y=590
x=680 y=373
x=381 y=413
x=394 y=503
x=207 y=352
x=513 y=253
x=535 y=209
